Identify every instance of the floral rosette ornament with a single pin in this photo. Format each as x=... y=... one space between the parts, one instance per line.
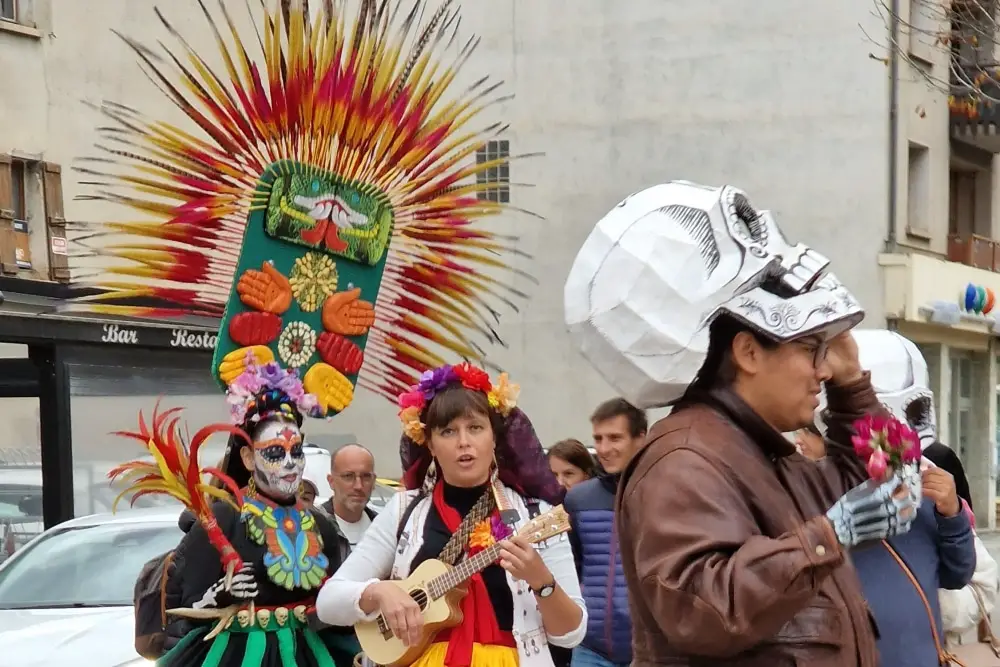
x=258 y=378
x=487 y=533
x=502 y=396
x=886 y=444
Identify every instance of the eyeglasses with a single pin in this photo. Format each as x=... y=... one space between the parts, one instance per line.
x=818 y=350
x=351 y=477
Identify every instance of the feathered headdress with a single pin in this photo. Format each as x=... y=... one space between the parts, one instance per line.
x=323 y=201
x=175 y=472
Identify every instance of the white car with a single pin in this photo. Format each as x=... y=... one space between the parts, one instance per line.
x=66 y=596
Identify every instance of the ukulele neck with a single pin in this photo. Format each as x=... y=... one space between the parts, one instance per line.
x=460 y=573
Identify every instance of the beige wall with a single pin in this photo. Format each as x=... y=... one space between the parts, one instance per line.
x=923 y=122
x=783 y=101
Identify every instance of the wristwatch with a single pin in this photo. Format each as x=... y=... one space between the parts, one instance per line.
x=546 y=590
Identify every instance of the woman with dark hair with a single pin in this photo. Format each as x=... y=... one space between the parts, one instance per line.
x=470 y=456
x=571 y=463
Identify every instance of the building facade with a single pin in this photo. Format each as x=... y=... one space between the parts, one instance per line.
x=787 y=102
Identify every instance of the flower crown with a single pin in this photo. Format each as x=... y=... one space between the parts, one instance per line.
x=257 y=380
x=502 y=397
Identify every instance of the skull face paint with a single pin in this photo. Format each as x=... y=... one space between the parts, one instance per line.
x=278 y=458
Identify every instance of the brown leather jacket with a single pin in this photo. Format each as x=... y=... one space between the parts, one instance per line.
x=728 y=557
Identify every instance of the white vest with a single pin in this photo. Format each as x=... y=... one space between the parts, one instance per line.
x=528 y=632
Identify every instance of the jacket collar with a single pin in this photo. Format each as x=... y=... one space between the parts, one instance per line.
x=772 y=443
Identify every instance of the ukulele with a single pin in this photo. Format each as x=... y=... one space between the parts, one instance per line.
x=438 y=589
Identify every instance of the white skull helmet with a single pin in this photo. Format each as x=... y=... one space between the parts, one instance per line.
x=900 y=379
x=659 y=268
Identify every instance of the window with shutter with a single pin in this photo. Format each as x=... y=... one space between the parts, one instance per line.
x=8 y=246
x=55 y=222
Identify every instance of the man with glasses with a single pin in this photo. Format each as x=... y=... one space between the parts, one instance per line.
x=736 y=550
x=352 y=478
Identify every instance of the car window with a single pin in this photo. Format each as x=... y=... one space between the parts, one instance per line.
x=19 y=502
x=10 y=510
x=84 y=566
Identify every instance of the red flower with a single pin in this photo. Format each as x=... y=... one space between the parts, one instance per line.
x=885 y=443
x=473 y=378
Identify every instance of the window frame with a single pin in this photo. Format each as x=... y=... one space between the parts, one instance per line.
x=13 y=9
x=497 y=177
x=19 y=188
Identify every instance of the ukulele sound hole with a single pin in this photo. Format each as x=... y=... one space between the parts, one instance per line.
x=419 y=596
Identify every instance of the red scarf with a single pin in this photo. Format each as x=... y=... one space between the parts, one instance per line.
x=479 y=623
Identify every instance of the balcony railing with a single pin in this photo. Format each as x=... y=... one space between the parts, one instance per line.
x=976 y=251
x=975 y=110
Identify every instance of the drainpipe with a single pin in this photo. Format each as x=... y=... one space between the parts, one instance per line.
x=890 y=237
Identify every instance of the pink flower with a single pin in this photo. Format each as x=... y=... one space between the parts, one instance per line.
x=878 y=464
x=911 y=452
x=878 y=422
x=863 y=429
x=308 y=404
x=893 y=434
x=862 y=446
x=411 y=399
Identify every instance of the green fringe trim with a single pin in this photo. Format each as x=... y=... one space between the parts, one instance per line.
x=286 y=647
x=219 y=645
x=254 y=653
x=319 y=649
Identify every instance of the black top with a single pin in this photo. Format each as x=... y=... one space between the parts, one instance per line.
x=436 y=536
x=201 y=566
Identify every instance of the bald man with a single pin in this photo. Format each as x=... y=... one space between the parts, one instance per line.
x=352 y=478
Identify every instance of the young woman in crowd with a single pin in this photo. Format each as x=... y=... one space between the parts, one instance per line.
x=571 y=463
x=466 y=450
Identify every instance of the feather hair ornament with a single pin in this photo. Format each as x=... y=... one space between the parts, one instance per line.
x=322 y=199
x=175 y=472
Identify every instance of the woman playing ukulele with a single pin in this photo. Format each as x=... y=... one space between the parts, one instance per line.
x=474 y=469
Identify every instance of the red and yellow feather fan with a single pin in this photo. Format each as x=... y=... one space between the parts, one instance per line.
x=324 y=198
x=175 y=472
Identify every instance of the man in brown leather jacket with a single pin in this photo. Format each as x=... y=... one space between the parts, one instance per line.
x=734 y=546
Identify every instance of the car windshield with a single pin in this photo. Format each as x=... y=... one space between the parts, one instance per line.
x=86 y=566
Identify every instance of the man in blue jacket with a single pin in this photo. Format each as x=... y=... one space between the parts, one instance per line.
x=619 y=430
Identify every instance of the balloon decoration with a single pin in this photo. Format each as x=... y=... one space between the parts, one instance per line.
x=978 y=299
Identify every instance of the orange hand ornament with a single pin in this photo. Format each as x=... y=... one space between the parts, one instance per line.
x=265 y=290
x=346 y=314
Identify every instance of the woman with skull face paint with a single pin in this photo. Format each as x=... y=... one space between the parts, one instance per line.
x=287 y=549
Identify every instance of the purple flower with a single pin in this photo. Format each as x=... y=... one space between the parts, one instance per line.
x=309 y=404
x=290 y=385
x=499 y=529
x=271 y=374
x=431 y=382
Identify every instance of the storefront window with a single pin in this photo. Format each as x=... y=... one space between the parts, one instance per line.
x=20 y=465
x=107 y=398
x=961 y=404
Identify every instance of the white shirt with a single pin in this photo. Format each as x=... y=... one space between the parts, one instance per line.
x=379 y=557
x=353 y=531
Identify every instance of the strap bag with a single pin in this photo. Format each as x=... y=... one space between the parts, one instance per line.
x=984 y=653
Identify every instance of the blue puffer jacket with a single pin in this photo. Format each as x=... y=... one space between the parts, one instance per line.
x=591 y=507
